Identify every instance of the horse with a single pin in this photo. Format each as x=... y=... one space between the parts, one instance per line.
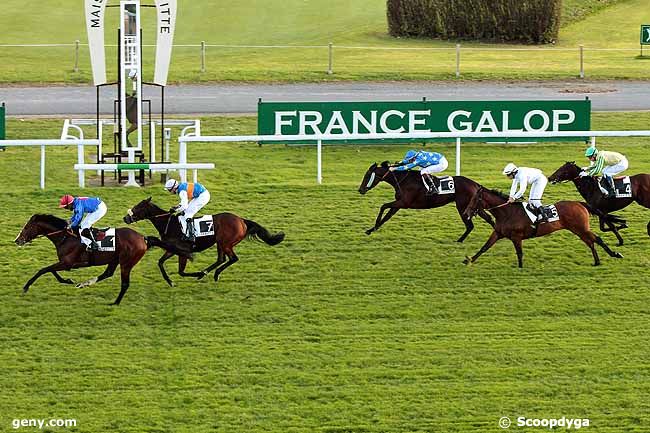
x=229 y=230
x=513 y=223
x=410 y=193
x=588 y=188
x=130 y=246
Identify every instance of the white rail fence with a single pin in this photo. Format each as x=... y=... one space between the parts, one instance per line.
x=318 y=139
x=330 y=48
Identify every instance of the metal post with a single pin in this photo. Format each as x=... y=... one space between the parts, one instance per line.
x=582 y=62
x=319 y=174
x=458 y=156
x=168 y=137
x=330 y=58
x=202 y=56
x=182 y=159
x=42 y=167
x=76 y=55
x=80 y=160
x=457 y=60
x=195 y=175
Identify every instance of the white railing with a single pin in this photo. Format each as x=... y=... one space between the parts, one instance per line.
x=80 y=143
x=318 y=139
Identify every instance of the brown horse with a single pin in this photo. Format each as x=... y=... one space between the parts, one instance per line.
x=588 y=188
x=513 y=223
x=229 y=230
x=410 y=193
x=130 y=246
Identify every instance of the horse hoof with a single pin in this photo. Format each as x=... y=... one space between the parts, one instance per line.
x=618 y=255
x=369 y=231
x=203 y=274
x=468 y=260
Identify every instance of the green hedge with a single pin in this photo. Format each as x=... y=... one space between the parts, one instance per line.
x=527 y=21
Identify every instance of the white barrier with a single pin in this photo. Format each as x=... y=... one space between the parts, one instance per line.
x=195 y=167
x=318 y=139
x=80 y=143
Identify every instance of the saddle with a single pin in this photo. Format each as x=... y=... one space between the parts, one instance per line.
x=99 y=234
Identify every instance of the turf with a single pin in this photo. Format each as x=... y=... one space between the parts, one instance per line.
x=331 y=330
x=298 y=23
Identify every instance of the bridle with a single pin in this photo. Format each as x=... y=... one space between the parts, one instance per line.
x=129 y=212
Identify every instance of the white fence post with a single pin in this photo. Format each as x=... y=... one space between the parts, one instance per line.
x=330 y=58
x=42 y=167
x=458 y=156
x=457 y=60
x=319 y=169
x=202 y=56
x=76 y=56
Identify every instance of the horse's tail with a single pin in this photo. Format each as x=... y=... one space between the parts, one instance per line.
x=256 y=231
x=153 y=241
x=611 y=218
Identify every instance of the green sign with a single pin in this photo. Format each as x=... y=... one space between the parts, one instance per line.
x=308 y=118
x=645 y=34
x=2 y=122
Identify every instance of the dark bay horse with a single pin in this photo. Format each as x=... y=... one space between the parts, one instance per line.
x=130 y=246
x=513 y=223
x=229 y=230
x=410 y=193
x=588 y=188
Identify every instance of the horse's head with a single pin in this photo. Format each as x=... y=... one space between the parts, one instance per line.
x=373 y=176
x=475 y=204
x=141 y=211
x=569 y=171
x=39 y=225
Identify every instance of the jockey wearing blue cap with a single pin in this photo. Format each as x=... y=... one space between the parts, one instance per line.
x=429 y=162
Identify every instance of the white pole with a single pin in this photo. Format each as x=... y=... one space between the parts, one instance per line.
x=168 y=136
x=196 y=175
x=458 y=156
x=582 y=61
x=319 y=174
x=42 y=167
x=131 y=181
x=182 y=159
x=100 y=157
x=457 y=60
x=80 y=160
x=152 y=141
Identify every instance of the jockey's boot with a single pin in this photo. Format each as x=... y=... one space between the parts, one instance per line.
x=89 y=235
x=429 y=184
x=609 y=186
x=189 y=235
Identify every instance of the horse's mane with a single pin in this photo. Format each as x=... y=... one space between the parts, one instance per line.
x=498 y=193
x=59 y=223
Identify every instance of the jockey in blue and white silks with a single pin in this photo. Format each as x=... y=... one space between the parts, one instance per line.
x=193 y=197
x=92 y=207
x=429 y=162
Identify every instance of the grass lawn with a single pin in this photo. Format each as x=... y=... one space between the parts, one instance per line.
x=345 y=23
x=332 y=330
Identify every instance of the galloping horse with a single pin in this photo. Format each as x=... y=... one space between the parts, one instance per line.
x=410 y=193
x=229 y=230
x=588 y=188
x=513 y=223
x=130 y=246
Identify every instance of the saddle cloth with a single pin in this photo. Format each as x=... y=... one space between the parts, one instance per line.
x=105 y=238
x=623 y=187
x=203 y=226
x=446 y=185
x=550 y=212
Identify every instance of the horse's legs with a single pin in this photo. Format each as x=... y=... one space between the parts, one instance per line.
x=125 y=273
x=161 y=266
x=232 y=259
x=220 y=259
x=381 y=220
x=469 y=225
x=60 y=279
x=59 y=266
x=607 y=249
x=486 y=217
x=182 y=262
x=606 y=226
x=520 y=252
x=108 y=272
x=488 y=244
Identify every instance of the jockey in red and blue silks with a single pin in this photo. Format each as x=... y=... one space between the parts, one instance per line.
x=92 y=207
x=429 y=162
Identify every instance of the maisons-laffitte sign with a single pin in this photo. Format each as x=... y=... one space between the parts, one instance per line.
x=308 y=118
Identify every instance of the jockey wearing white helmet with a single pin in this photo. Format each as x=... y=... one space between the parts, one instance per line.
x=193 y=197
x=521 y=177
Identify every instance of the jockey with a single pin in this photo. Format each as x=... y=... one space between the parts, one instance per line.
x=606 y=163
x=94 y=209
x=430 y=162
x=521 y=177
x=193 y=197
